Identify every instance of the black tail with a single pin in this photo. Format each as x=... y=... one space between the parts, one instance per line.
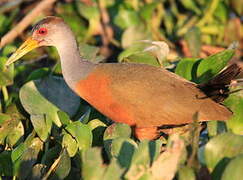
x=218 y=88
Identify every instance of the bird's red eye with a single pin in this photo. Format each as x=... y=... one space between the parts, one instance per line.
x=42 y=31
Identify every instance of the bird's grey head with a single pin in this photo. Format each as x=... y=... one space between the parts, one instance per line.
x=50 y=31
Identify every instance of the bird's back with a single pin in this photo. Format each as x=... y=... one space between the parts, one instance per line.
x=143 y=95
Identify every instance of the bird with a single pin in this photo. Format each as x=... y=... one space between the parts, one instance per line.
x=143 y=96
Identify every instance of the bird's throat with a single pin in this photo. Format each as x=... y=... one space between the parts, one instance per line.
x=74 y=68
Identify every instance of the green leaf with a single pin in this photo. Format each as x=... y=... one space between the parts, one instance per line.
x=212 y=65
x=24 y=164
x=117 y=130
x=235 y=103
x=233 y=170
x=82 y=133
x=15 y=135
x=3 y=118
x=146 y=11
x=126 y=18
x=220 y=147
x=88 y=11
x=222 y=12
x=47 y=96
x=90 y=53
x=6 y=73
x=186 y=173
x=61 y=167
x=6 y=166
x=42 y=125
x=98 y=129
x=92 y=164
x=122 y=149
x=144 y=155
x=39 y=73
x=64 y=118
x=215 y=127
x=18 y=151
x=70 y=144
x=7 y=126
x=185 y=68
x=113 y=171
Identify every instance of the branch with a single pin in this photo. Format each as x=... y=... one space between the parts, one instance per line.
x=19 y=28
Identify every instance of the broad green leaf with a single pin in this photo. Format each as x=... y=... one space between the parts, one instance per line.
x=233 y=170
x=122 y=149
x=222 y=146
x=186 y=173
x=88 y=11
x=216 y=127
x=235 y=103
x=7 y=126
x=64 y=118
x=61 y=167
x=126 y=18
x=222 y=12
x=39 y=73
x=47 y=96
x=70 y=144
x=90 y=53
x=185 y=68
x=18 y=151
x=146 y=11
x=24 y=164
x=82 y=133
x=6 y=166
x=117 y=130
x=3 y=118
x=98 y=129
x=213 y=64
x=6 y=73
x=92 y=164
x=95 y=123
x=42 y=125
x=143 y=157
x=113 y=171
x=15 y=135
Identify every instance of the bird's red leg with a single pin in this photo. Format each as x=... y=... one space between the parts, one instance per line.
x=149 y=133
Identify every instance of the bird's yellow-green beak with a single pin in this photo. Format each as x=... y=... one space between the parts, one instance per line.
x=27 y=46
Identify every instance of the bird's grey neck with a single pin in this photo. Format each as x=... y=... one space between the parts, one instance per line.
x=74 y=68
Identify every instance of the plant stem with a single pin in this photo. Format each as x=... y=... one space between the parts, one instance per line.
x=5 y=93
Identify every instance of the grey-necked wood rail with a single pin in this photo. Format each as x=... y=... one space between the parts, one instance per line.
x=140 y=95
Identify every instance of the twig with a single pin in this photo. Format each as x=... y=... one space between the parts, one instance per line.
x=107 y=32
x=19 y=28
